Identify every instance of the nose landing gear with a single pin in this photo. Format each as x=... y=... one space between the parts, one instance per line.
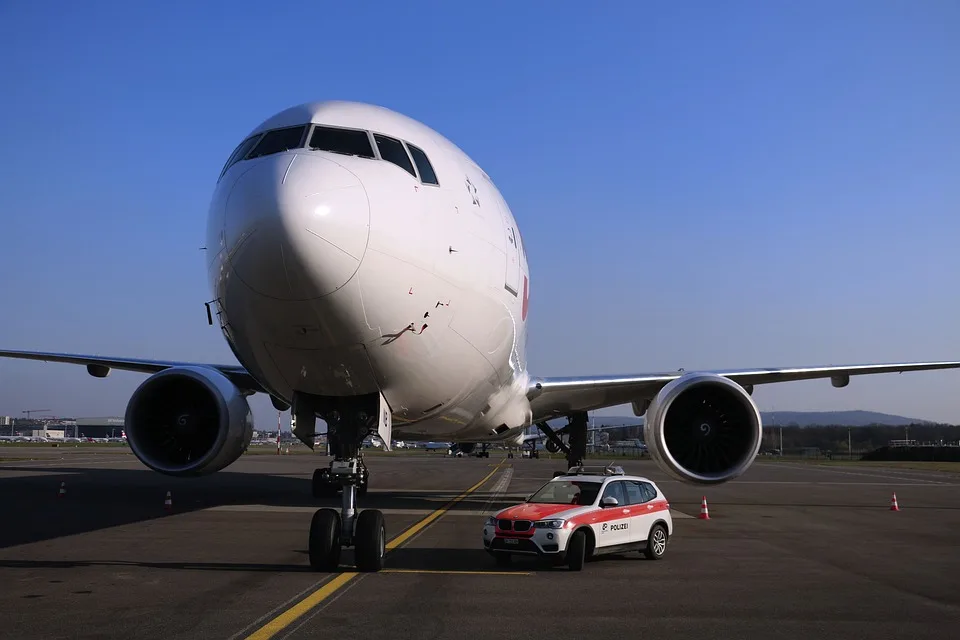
x=349 y=422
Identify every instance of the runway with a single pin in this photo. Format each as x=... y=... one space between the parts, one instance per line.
x=791 y=550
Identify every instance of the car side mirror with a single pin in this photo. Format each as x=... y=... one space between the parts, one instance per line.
x=609 y=501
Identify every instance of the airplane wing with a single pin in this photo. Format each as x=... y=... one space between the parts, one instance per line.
x=553 y=397
x=100 y=365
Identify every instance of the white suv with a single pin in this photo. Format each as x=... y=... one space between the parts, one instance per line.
x=585 y=513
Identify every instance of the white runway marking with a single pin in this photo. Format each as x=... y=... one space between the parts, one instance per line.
x=40 y=464
x=266 y=508
x=813 y=483
x=825 y=469
x=498 y=490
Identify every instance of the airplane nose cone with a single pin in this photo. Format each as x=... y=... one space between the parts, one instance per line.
x=296 y=226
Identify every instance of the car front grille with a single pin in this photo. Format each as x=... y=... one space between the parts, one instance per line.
x=514 y=525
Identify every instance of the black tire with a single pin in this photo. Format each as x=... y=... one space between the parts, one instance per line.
x=370 y=541
x=503 y=559
x=656 y=542
x=324 y=543
x=576 y=550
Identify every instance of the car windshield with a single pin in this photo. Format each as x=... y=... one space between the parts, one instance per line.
x=567 y=492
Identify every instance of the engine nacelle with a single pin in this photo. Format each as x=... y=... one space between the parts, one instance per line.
x=703 y=428
x=188 y=421
x=466 y=447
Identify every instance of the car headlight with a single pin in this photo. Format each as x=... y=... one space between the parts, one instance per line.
x=492 y=521
x=549 y=524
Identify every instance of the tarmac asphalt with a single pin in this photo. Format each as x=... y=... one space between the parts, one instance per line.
x=791 y=550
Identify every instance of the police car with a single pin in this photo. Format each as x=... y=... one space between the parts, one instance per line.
x=581 y=514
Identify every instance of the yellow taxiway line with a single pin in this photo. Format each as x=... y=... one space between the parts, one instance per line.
x=286 y=618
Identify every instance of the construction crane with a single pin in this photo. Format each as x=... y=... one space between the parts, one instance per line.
x=28 y=412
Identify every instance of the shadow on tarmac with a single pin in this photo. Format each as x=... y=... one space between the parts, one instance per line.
x=102 y=498
x=473 y=561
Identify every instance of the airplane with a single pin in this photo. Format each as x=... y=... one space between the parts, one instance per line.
x=367 y=272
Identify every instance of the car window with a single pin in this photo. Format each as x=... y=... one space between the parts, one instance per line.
x=635 y=493
x=567 y=492
x=649 y=491
x=615 y=489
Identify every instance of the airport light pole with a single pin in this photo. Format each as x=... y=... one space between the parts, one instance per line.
x=849 y=445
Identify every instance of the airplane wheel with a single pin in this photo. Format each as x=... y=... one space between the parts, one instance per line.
x=324 y=544
x=576 y=550
x=370 y=540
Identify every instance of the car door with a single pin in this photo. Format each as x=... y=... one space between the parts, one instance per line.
x=640 y=498
x=613 y=524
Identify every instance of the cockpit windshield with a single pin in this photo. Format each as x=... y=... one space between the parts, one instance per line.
x=567 y=492
x=349 y=142
x=278 y=140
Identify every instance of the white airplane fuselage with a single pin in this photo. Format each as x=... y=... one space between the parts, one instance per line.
x=338 y=275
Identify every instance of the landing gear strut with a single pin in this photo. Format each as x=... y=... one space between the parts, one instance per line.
x=349 y=422
x=327 y=486
x=577 y=442
x=576 y=446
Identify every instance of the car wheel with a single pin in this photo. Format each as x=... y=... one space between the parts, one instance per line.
x=576 y=550
x=656 y=542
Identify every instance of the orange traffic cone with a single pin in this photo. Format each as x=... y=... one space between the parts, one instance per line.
x=704 y=512
x=168 y=502
x=63 y=490
x=893 y=502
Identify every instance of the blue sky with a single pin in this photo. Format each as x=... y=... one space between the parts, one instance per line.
x=699 y=184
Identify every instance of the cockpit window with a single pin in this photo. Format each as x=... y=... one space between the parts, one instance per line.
x=278 y=140
x=392 y=150
x=242 y=149
x=346 y=141
x=427 y=175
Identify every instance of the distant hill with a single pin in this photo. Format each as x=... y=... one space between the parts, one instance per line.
x=843 y=418
x=792 y=419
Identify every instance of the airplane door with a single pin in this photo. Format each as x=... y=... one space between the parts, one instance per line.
x=614 y=522
x=512 y=280
x=512 y=277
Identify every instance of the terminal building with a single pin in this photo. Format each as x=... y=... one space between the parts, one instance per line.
x=99 y=427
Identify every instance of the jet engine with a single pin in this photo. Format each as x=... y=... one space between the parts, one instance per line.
x=466 y=447
x=703 y=428
x=188 y=421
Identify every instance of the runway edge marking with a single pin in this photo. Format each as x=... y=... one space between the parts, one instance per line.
x=288 y=617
